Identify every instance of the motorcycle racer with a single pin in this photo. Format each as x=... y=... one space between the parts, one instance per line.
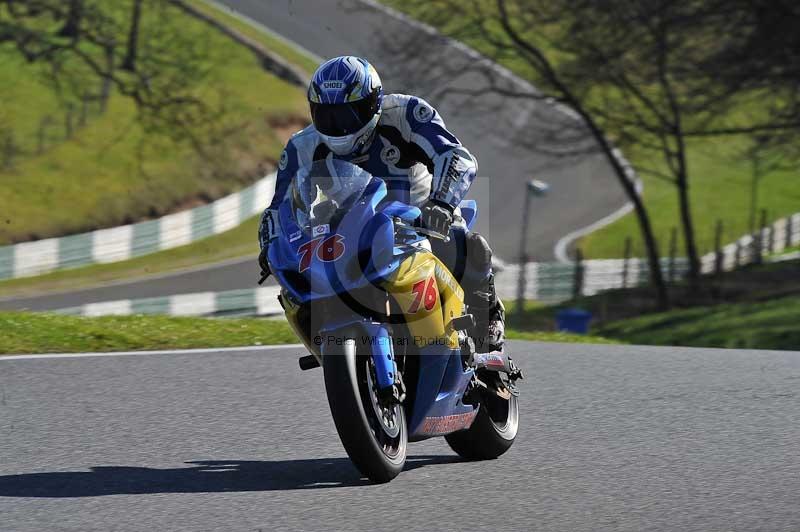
x=404 y=141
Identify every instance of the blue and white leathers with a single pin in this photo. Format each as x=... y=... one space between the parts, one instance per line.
x=411 y=149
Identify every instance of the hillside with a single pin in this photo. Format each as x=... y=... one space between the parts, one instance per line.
x=71 y=164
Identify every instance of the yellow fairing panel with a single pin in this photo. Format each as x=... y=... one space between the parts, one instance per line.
x=430 y=298
x=291 y=311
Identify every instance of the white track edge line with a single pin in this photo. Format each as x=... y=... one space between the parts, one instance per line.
x=560 y=250
x=228 y=350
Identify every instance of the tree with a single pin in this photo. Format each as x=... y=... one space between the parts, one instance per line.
x=129 y=63
x=526 y=32
x=136 y=48
x=645 y=77
x=81 y=40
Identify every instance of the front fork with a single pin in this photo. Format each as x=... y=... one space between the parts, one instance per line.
x=376 y=337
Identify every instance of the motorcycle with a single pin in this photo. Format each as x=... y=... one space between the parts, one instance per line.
x=386 y=321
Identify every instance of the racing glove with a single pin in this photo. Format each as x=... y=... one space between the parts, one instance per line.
x=437 y=216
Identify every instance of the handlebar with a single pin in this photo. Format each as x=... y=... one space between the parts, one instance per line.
x=432 y=234
x=423 y=230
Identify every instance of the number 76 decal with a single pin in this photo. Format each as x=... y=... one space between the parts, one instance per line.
x=425 y=294
x=326 y=249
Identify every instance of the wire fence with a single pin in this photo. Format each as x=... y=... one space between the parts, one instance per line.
x=545 y=282
x=556 y=282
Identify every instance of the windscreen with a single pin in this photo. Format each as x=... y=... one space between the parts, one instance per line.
x=325 y=189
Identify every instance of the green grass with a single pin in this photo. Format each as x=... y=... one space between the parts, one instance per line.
x=720 y=183
x=754 y=307
x=786 y=251
x=537 y=324
x=561 y=337
x=110 y=172
x=238 y=242
x=762 y=325
x=53 y=333
x=720 y=177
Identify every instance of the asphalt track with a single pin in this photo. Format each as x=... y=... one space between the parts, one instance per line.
x=615 y=438
x=582 y=191
x=214 y=278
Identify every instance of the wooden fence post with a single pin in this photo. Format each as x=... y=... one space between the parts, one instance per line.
x=758 y=241
x=771 y=239
x=625 y=262
x=521 y=287
x=577 y=284
x=673 y=250
x=737 y=257
x=718 y=256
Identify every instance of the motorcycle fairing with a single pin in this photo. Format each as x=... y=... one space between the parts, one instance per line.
x=427 y=324
x=438 y=407
x=442 y=379
x=371 y=256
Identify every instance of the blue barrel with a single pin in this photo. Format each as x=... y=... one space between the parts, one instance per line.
x=574 y=320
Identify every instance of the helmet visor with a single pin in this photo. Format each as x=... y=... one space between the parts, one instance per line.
x=339 y=120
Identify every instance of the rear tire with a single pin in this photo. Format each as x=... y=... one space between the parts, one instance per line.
x=377 y=446
x=493 y=431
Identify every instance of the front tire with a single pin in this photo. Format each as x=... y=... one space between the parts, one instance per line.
x=492 y=433
x=375 y=437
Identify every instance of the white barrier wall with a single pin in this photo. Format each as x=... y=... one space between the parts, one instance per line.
x=127 y=241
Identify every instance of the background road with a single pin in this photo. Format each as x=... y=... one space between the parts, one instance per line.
x=582 y=191
x=612 y=438
x=240 y=273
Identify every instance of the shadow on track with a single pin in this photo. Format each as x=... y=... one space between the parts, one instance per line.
x=204 y=477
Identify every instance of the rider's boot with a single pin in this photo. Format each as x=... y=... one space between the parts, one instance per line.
x=489 y=313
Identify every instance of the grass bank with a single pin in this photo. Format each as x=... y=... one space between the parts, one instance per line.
x=756 y=307
x=761 y=325
x=109 y=171
x=721 y=185
x=52 y=333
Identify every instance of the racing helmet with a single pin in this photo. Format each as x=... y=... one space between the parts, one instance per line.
x=345 y=95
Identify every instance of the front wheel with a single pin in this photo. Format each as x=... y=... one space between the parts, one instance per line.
x=493 y=431
x=374 y=435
